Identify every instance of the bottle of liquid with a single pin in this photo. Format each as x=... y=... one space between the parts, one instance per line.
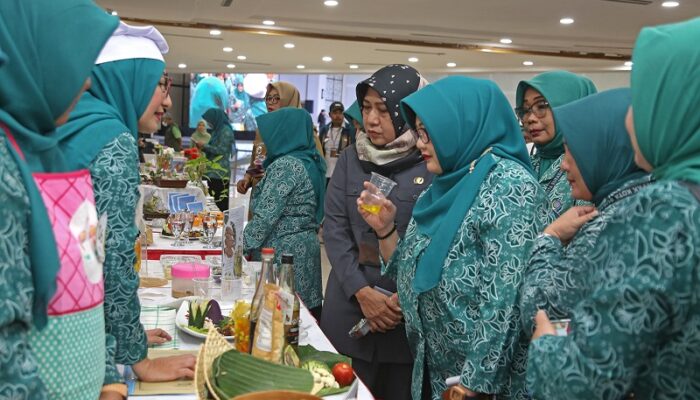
x=290 y=301
x=267 y=275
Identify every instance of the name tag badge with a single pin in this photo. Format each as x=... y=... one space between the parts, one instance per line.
x=334 y=152
x=418 y=180
x=561 y=326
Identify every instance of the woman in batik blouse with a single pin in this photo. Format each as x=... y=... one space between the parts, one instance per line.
x=636 y=330
x=458 y=268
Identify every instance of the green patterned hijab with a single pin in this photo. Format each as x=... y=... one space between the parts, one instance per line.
x=289 y=131
x=464 y=117
x=666 y=99
x=600 y=146
x=49 y=57
x=558 y=88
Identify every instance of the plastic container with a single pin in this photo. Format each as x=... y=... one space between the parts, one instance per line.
x=183 y=275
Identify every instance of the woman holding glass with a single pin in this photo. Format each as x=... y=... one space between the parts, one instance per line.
x=458 y=268
x=387 y=146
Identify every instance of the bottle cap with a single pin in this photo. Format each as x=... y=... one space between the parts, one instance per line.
x=287 y=259
x=268 y=250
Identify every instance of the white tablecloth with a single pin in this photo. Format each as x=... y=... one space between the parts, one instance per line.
x=314 y=336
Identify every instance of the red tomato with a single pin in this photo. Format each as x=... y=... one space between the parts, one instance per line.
x=343 y=374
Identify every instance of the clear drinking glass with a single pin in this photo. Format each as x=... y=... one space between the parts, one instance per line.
x=209 y=224
x=379 y=190
x=201 y=287
x=189 y=220
x=177 y=224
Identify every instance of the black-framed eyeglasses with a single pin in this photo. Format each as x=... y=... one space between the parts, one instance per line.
x=539 y=109
x=272 y=99
x=165 y=84
x=422 y=134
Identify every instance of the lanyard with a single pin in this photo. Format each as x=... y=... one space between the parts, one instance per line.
x=624 y=193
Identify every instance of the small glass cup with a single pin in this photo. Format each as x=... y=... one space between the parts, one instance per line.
x=231 y=289
x=201 y=287
x=379 y=189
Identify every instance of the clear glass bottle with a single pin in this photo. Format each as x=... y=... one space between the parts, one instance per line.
x=267 y=275
x=290 y=306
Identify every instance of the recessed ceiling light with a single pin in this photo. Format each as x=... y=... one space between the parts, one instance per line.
x=230 y=66
x=242 y=57
x=115 y=13
x=670 y=4
x=528 y=63
x=228 y=49
x=263 y=33
x=628 y=63
x=354 y=66
x=451 y=64
x=301 y=66
x=413 y=59
x=566 y=21
x=506 y=41
x=330 y=3
x=268 y=22
x=487 y=50
x=215 y=32
x=289 y=45
x=327 y=59
x=182 y=66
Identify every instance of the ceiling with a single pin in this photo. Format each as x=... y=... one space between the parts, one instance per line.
x=369 y=34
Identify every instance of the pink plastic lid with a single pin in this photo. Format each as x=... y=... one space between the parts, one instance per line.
x=190 y=270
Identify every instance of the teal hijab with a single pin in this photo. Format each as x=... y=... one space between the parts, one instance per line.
x=290 y=131
x=558 y=88
x=600 y=145
x=209 y=93
x=464 y=118
x=666 y=99
x=121 y=91
x=48 y=62
x=353 y=113
x=217 y=119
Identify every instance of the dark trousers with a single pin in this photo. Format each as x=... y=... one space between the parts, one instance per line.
x=386 y=381
x=217 y=186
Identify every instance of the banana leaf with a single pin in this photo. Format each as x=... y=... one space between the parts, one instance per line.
x=236 y=373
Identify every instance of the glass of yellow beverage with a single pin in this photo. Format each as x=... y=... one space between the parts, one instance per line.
x=379 y=189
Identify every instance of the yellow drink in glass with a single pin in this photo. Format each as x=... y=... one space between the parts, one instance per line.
x=372 y=208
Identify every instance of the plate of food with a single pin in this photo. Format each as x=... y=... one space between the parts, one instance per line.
x=194 y=317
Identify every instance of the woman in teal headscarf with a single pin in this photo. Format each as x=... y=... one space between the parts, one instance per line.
x=209 y=93
x=534 y=99
x=220 y=145
x=458 y=267
x=129 y=94
x=636 y=329
x=35 y=97
x=289 y=206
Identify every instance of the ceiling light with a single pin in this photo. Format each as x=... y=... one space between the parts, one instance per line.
x=263 y=33
x=230 y=66
x=670 y=4
x=506 y=41
x=628 y=63
x=228 y=49
x=354 y=66
x=215 y=32
x=413 y=59
x=451 y=65
x=327 y=59
x=566 y=21
x=528 y=63
x=268 y=22
x=289 y=45
x=330 y=3
x=487 y=50
x=115 y=13
x=242 y=57
x=182 y=66
x=301 y=66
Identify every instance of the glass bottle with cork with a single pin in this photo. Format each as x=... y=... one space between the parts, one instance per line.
x=267 y=275
x=290 y=301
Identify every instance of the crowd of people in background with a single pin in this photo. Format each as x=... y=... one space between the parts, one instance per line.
x=569 y=273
